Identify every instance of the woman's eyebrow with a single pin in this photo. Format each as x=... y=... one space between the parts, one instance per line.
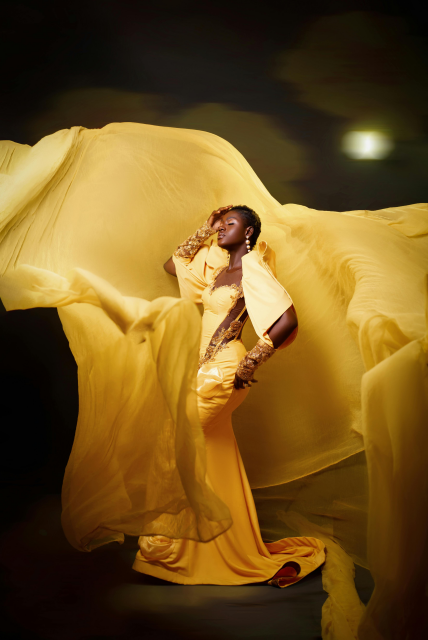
x=230 y=218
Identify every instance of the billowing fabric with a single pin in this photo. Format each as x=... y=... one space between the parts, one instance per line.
x=112 y=204
x=138 y=460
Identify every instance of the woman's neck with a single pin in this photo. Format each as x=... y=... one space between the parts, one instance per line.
x=235 y=258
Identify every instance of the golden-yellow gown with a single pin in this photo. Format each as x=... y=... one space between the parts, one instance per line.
x=239 y=555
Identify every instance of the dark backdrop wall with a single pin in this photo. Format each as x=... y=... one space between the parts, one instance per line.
x=283 y=82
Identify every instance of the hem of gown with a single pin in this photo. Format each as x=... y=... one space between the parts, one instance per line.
x=178 y=578
x=170 y=576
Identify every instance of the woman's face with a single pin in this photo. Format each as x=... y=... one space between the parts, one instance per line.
x=232 y=232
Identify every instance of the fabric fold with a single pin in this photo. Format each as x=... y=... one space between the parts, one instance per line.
x=138 y=460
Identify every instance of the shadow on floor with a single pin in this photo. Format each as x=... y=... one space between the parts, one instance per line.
x=52 y=592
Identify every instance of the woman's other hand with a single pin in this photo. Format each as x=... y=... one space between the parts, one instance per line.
x=214 y=219
x=239 y=383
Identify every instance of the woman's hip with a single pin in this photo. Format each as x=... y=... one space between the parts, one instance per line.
x=215 y=383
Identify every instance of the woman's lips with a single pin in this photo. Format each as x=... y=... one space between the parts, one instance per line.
x=220 y=235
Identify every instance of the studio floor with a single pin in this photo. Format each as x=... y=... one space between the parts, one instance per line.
x=52 y=592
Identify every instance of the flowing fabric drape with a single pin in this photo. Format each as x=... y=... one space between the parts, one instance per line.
x=88 y=217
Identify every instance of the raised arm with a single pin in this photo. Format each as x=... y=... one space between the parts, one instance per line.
x=191 y=246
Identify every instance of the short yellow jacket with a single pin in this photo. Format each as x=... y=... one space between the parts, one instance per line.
x=265 y=298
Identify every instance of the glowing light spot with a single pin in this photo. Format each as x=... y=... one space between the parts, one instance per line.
x=367 y=145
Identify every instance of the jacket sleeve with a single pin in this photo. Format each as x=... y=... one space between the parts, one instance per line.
x=265 y=297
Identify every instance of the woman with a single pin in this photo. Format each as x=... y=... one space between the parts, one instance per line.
x=233 y=283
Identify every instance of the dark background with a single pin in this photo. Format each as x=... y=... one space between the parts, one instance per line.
x=282 y=82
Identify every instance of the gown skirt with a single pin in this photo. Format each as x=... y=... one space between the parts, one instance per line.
x=239 y=555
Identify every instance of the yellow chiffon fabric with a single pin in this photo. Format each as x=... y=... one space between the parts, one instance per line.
x=336 y=428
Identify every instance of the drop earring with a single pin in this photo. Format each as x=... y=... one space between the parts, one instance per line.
x=247 y=241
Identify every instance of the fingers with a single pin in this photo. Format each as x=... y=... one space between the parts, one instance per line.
x=214 y=219
x=239 y=383
x=222 y=209
x=249 y=383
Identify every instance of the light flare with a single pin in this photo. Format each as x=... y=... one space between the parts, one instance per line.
x=367 y=145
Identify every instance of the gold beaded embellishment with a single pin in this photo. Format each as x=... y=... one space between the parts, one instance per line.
x=215 y=276
x=239 y=293
x=238 y=290
x=221 y=340
x=253 y=359
x=190 y=247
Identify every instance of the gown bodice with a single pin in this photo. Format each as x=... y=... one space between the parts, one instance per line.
x=217 y=303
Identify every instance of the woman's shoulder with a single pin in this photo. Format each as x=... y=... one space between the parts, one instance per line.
x=263 y=256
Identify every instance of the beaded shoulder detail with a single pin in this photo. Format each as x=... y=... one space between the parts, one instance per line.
x=221 y=340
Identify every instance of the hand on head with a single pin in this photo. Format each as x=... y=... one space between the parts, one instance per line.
x=214 y=219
